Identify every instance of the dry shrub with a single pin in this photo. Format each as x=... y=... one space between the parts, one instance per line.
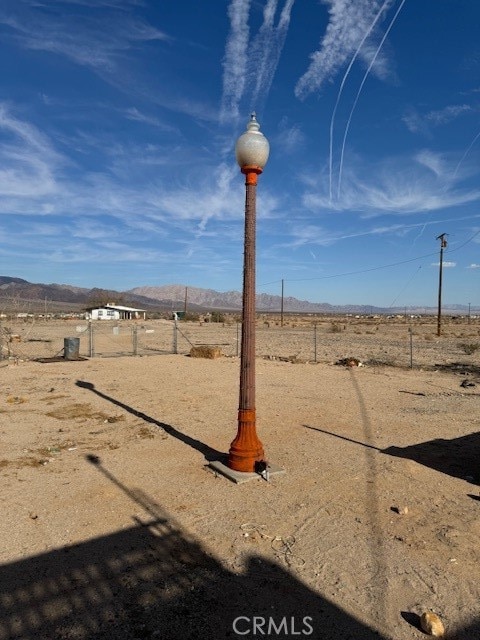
x=469 y=347
x=206 y=352
x=16 y=400
x=145 y=433
x=81 y=410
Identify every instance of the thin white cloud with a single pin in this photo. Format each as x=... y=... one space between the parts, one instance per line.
x=446 y=264
x=27 y=160
x=474 y=265
x=109 y=53
x=134 y=114
x=320 y=236
x=83 y=39
x=222 y=199
x=304 y=235
x=35 y=179
x=91 y=229
x=414 y=121
x=417 y=123
x=349 y=20
x=96 y=4
x=433 y=161
x=91 y=48
x=447 y=114
x=107 y=205
x=395 y=185
x=290 y=137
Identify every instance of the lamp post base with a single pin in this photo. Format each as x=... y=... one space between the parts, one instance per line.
x=246 y=451
x=240 y=477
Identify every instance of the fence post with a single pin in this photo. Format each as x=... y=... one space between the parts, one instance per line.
x=90 y=339
x=135 y=339
x=175 y=343
x=315 y=342
x=411 y=347
x=1 y=341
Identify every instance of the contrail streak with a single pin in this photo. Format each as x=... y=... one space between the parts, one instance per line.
x=347 y=72
x=340 y=170
x=267 y=47
x=469 y=148
x=252 y=65
x=235 y=64
x=348 y=22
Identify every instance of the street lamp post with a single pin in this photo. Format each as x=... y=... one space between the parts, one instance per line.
x=246 y=451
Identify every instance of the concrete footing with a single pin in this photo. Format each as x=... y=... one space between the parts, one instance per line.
x=240 y=477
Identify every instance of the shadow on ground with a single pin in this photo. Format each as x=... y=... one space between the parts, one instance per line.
x=153 y=580
x=459 y=457
x=209 y=453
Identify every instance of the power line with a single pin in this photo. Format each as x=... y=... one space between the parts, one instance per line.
x=384 y=266
x=405 y=287
x=466 y=242
x=352 y=273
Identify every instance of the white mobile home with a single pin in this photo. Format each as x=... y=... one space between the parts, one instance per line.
x=112 y=311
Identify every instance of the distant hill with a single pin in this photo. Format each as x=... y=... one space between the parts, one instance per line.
x=232 y=301
x=16 y=293
x=228 y=301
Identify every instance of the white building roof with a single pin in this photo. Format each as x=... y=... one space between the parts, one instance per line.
x=116 y=307
x=119 y=307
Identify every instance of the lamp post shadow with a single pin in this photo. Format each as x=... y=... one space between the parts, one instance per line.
x=208 y=452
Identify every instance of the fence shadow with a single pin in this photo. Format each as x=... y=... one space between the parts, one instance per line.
x=209 y=453
x=153 y=580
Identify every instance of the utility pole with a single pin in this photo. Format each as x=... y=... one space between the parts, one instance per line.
x=443 y=245
x=185 y=305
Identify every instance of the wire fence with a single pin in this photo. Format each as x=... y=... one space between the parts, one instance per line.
x=377 y=341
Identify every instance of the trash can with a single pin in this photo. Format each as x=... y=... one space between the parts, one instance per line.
x=71 y=348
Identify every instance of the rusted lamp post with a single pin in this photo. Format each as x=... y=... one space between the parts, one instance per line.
x=246 y=451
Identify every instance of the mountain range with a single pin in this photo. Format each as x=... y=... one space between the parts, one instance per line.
x=21 y=295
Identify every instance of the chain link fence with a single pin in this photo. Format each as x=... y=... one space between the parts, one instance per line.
x=371 y=342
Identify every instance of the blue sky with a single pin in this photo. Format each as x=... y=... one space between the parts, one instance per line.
x=118 y=120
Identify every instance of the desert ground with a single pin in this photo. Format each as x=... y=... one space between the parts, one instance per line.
x=114 y=526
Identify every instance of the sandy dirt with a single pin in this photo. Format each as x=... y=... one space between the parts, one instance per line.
x=114 y=527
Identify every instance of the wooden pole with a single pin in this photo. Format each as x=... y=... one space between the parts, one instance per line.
x=443 y=244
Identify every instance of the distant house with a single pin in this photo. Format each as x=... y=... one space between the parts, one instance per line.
x=113 y=311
